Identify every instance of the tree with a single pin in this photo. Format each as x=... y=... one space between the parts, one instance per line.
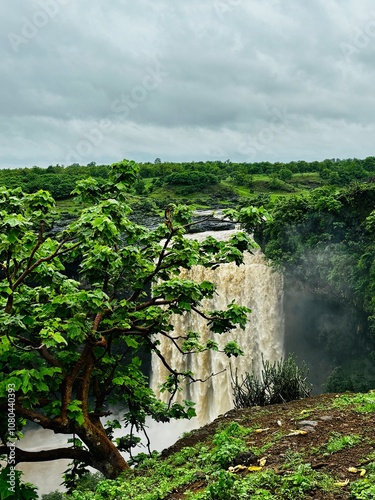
x=191 y=180
x=70 y=348
x=285 y=174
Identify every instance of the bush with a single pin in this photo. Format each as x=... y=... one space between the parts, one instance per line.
x=86 y=483
x=54 y=495
x=354 y=376
x=280 y=382
x=196 y=180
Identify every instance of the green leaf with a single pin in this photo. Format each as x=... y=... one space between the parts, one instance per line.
x=59 y=338
x=233 y=349
x=75 y=411
x=131 y=342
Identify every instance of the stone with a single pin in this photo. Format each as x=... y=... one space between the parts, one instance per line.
x=308 y=423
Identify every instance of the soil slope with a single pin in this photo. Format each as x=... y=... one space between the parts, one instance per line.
x=303 y=427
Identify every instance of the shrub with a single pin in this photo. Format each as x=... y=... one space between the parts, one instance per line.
x=280 y=382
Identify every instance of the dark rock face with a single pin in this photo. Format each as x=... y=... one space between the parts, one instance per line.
x=210 y=225
x=201 y=223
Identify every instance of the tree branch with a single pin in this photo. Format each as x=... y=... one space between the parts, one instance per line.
x=84 y=386
x=37 y=246
x=42 y=349
x=67 y=384
x=135 y=295
x=153 y=302
x=47 y=455
x=56 y=253
x=34 y=416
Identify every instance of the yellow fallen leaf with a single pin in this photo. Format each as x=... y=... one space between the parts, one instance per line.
x=342 y=483
x=297 y=432
x=353 y=470
x=363 y=472
x=262 y=461
x=239 y=467
x=258 y=431
x=254 y=468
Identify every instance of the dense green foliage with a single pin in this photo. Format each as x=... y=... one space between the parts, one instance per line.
x=334 y=171
x=71 y=348
x=58 y=180
x=325 y=241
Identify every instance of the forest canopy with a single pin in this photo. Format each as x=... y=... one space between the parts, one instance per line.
x=199 y=176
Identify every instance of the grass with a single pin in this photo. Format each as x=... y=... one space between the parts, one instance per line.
x=338 y=442
x=362 y=403
x=284 y=466
x=208 y=464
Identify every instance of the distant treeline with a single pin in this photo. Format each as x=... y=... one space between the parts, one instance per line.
x=58 y=180
x=192 y=176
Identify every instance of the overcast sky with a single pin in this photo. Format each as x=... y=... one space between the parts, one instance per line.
x=246 y=80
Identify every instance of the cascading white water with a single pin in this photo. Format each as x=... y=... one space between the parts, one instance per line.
x=253 y=284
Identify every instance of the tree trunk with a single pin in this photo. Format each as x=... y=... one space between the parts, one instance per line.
x=105 y=456
x=102 y=454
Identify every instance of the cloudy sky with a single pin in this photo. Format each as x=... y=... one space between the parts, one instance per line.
x=248 y=80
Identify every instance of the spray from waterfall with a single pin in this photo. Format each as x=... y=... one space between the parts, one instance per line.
x=253 y=284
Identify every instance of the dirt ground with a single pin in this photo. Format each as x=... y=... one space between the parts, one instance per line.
x=314 y=415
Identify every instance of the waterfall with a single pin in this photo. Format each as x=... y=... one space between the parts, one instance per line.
x=253 y=284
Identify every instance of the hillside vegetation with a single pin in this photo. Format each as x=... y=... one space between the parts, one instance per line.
x=203 y=183
x=324 y=241
x=319 y=448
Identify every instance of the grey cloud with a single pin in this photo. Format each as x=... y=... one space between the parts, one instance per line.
x=186 y=80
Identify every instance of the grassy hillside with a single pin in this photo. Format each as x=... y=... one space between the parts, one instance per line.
x=322 y=447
